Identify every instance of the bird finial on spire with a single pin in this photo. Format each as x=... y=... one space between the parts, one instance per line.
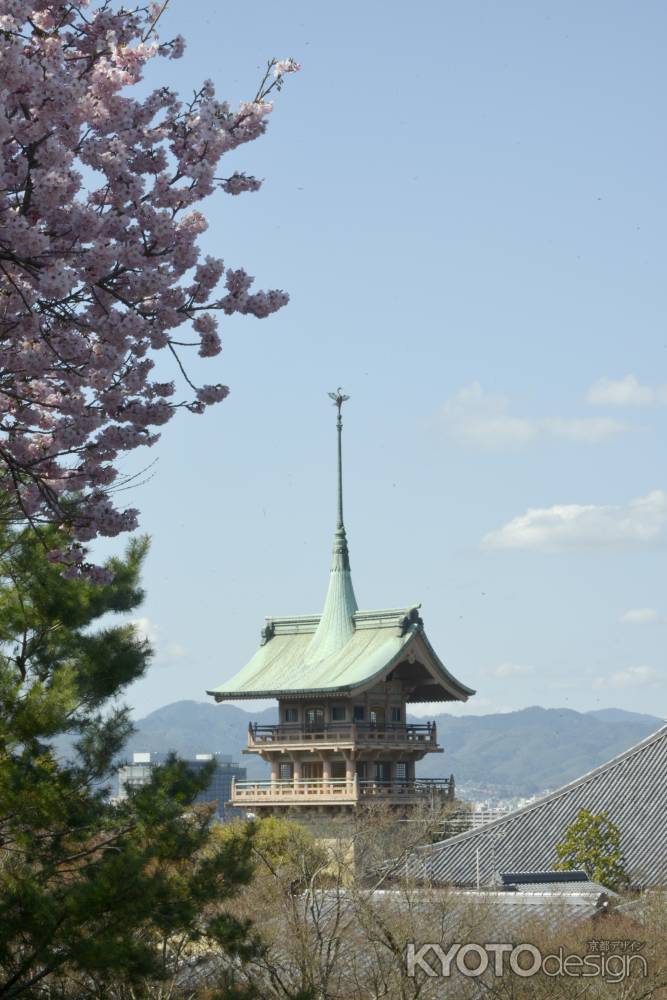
x=338 y=399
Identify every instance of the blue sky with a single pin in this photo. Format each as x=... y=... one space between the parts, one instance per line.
x=466 y=203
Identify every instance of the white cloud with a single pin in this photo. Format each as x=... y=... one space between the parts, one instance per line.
x=483 y=419
x=174 y=651
x=641 y=616
x=568 y=527
x=626 y=391
x=632 y=677
x=512 y=670
x=165 y=652
x=476 y=706
x=589 y=430
x=146 y=629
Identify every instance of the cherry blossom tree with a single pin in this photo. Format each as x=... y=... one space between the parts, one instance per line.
x=100 y=268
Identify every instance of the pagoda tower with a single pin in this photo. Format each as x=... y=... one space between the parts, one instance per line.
x=343 y=680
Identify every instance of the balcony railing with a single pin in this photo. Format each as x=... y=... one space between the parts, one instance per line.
x=322 y=791
x=337 y=733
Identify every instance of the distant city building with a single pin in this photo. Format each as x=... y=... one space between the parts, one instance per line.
x=219 y=790
x=478 y=814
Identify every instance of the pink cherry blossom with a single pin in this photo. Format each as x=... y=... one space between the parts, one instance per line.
x=282 y=66
x=238 y=183
x=100 y=267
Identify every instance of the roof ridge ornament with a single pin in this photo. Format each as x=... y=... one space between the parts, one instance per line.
x=268 y=632
x=411 y=617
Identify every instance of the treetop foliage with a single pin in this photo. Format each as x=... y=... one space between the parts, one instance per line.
x=592 y=843
x=89 y=887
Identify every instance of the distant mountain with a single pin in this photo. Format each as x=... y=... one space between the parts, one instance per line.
x=620 y=715
x=511 y=754
x=192 y=727
x=528 y=752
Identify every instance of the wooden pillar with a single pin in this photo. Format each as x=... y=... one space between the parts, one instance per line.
x=351 y=771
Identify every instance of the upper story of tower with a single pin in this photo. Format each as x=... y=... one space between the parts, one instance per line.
x=344 y=652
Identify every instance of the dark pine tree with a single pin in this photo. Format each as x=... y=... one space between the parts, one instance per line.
x=92 y=891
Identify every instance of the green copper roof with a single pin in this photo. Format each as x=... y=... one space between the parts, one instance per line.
x=381 y=641
x=343 y=649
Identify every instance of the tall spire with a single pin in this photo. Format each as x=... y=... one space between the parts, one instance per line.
x=340 y=538
x=336 y=624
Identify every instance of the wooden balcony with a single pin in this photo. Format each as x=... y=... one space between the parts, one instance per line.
x=333 y=735
x=333 y=791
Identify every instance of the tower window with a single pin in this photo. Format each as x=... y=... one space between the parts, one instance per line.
x=382 y=771
x=338 y=713
x=358 y=713
x=291 y=715
x=314 y=718
x=396 y=713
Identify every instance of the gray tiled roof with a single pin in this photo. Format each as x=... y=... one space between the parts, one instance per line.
x=631 y=789
x=561 y=889
x=558 y=883
x=507 y=912
x=530 y=878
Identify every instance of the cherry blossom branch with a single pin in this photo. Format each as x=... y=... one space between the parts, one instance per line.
x=93 y=283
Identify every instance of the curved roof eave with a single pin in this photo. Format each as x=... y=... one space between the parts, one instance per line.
x=446 y=680
x=438 y=671
x=466 y=692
